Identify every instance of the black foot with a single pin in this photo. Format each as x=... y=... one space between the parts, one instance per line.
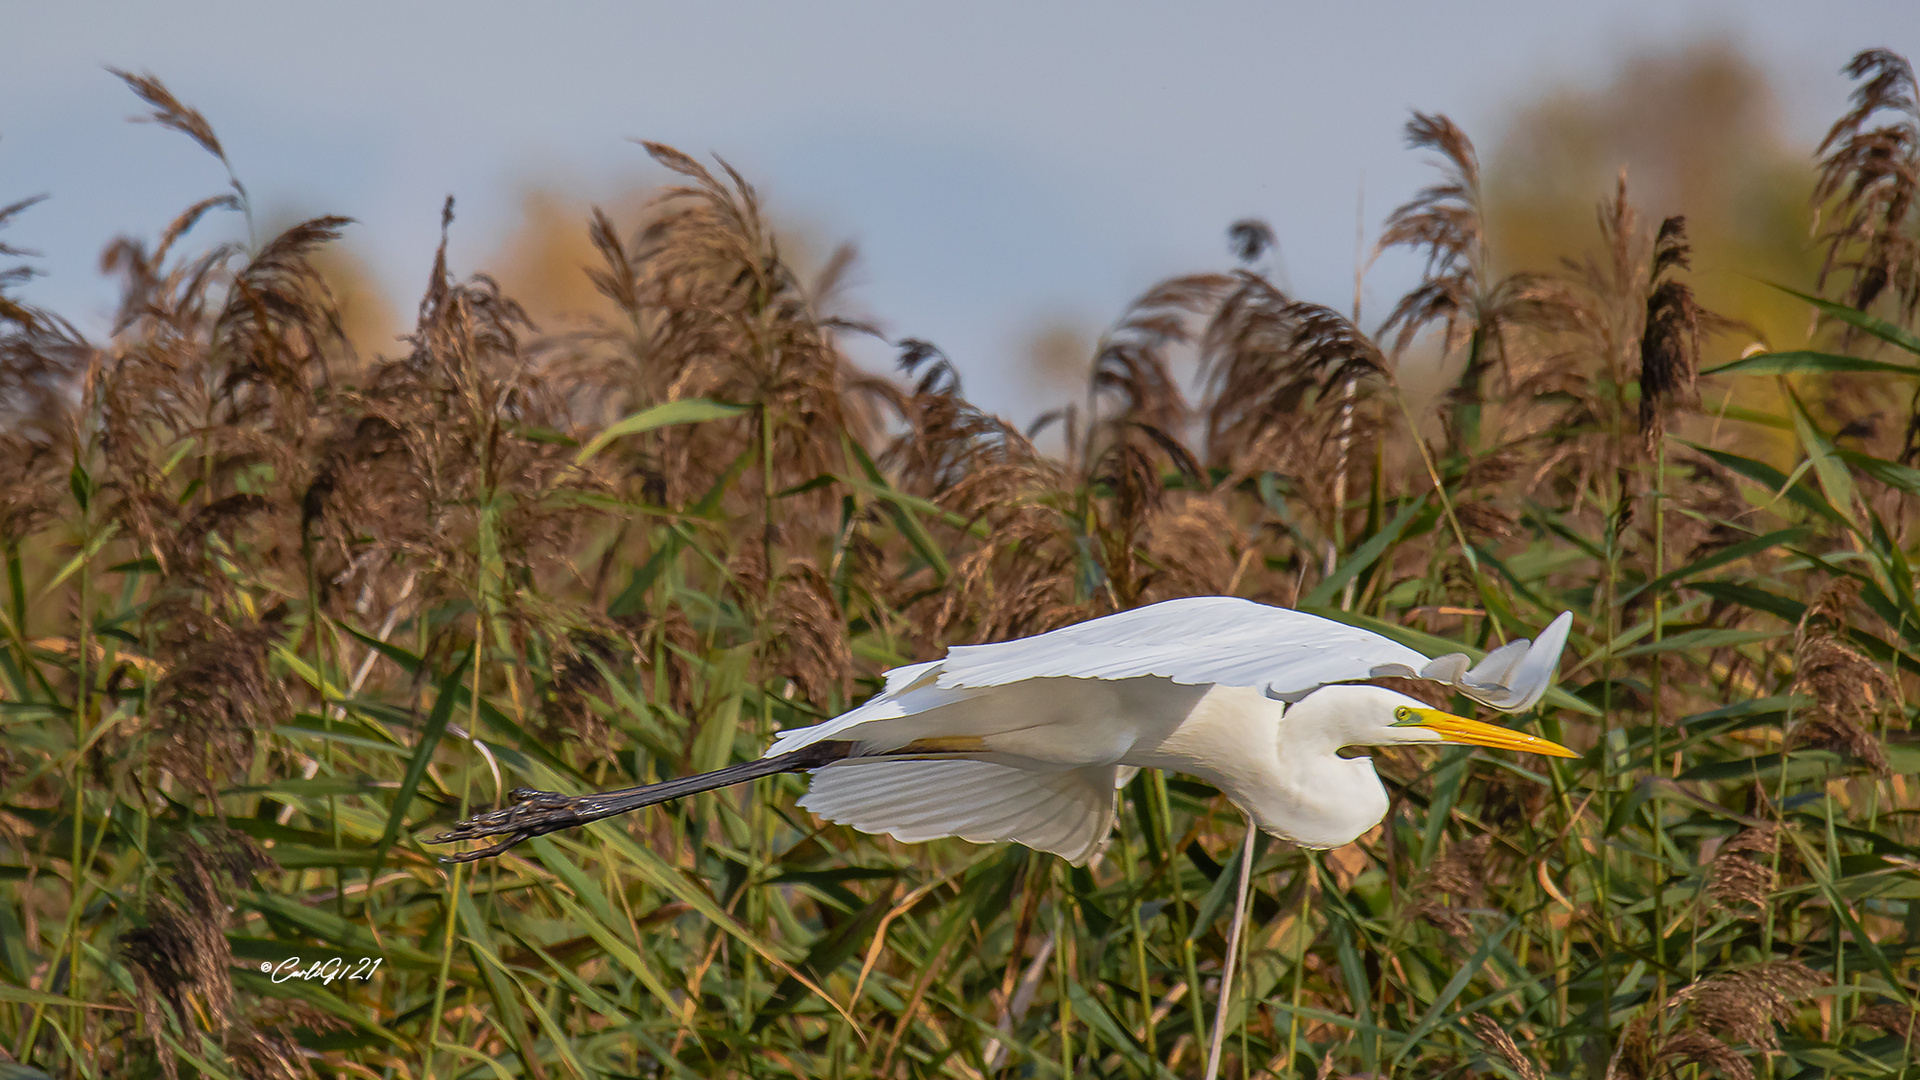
x=531 y=813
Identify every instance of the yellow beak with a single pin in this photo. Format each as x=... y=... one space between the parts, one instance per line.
x=1459 y=729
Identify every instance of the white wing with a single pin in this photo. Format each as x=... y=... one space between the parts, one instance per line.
x=909 y=690
x=1200 y=641
x=1236 y=642
x=1512 y=677
x=1068 y=812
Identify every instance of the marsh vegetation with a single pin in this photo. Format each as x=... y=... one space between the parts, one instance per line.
x=276 y=608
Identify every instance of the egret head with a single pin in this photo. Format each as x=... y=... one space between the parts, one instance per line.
x=1355 y=715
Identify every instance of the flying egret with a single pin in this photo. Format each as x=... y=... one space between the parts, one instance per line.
x=1027 y=740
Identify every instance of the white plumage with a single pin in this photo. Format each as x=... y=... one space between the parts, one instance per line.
x=1068 y=811
x=1026 y=740
x=1049 y=725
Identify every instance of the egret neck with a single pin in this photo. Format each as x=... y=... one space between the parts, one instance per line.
x=1288 y=777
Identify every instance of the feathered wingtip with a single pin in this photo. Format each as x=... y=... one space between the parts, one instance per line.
x=1511 y=678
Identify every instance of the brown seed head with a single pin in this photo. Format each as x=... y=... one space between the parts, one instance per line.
x=1849 y=690
x=1870 y=177
x=1742 y=870
x=1894 y=1019
x=1501 y=1043
x=1745 y=1005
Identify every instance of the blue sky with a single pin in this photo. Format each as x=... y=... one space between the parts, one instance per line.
x=1001 y=166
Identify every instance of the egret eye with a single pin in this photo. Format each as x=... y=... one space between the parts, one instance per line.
x=1402 y=714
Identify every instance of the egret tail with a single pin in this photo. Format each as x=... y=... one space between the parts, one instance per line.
x=536 y=813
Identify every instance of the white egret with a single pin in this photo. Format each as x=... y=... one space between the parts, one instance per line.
x=1027 y=740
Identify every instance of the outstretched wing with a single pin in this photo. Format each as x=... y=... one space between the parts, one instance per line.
x=1200 y=641
x=1236 y=642
x=909 y=690
x=1068 y=812
x=1512 y=677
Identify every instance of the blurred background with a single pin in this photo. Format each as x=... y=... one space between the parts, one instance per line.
x=1011 y=174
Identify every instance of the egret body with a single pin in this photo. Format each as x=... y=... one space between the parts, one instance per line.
x=1027 y=740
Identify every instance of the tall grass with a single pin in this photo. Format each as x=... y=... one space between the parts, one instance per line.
x=274 y=611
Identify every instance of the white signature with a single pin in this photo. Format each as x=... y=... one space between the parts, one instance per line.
x=326 y=971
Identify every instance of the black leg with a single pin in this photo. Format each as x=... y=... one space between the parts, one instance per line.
x=535 y=813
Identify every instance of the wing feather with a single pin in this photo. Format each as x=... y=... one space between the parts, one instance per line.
x=1067 y=812
x=1515 y=676
x=1237 y=642
x=1196 y=640
x=908 y=690
x=1202 y=640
